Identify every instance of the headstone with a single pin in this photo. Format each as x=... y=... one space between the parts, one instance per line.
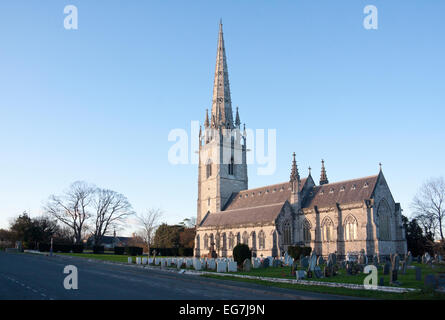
x=197 y=265
x=270 y=260
x=304 y=263
x=317 y=272
x=130 y=260
x=221 y=266
x=418 y=274
x=247 y=265
x=361 y=257
x=276 y=263
x=300 y=274
x=232 y=266
x=265 y=264
x=409 y=258
x=138 y=260
x=294 y=267
x=430 y=281
x=144 y=260
x=188 y=263
x=375 y=261
x=179 y=263
x=211 y=264
x=312 y=261
x=150 y=260
x=404 y=267
x=320 y=261
x=256 y=263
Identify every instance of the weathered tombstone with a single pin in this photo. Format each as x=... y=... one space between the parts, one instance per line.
x=232 y=266
x=320 y=261
x=430 y=281
x=395 y=261
x=317 y=272
x=300 y=274
x=418 y=274
x=150 y=260
x=276 y=263
x=211 y=264
x=409 y=258
x=144 y=260
x=247 y=265
x=304 y=263
x=130 y=260
x=361 y=257
x=221 y=266
x=270 y=260
x=138 y=260
x=197 y=265
x=256 y=263
x=265 y=263
x=312 y=261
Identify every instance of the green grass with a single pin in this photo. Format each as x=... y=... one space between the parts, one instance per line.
x=407 y=280
x=420 y=295
x=106 y=257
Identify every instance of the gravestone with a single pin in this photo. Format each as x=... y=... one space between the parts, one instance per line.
x=418 y=274
x=144 y=260
x=304 y=263
x=130 y=260
x=247 y=265
x=221 y=266
x=430 y=281
x=265 y=263
x=409 y=258
x=211 y=264
x=232 y=266
x=197 y=265
x=312 y=262
x=294 y=267
x=375 y=261
x=256 y=263
x=404 y=267
x=300 y=274
x=361 y=257
x=320 y=261
x=270 y=261
x=395 y=261
x=317 y=272
x=276 y=263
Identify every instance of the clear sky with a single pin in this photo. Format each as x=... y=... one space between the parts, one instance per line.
x=97 y=103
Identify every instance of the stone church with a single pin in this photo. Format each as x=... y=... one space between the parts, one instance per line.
x=341 y=217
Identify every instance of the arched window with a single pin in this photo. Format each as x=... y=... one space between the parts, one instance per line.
x=287 y=233
x=384 y=216
x=231 y=240
x=328 y=230
x=350 y=228
x=245 y=238
x=206 y=241
x=211 y=239
x=253 y=237
x=261 y=240
x=306 y=231
x=238 y=238
x=231 y=166
x=217 y=241
x=224 y=241
x=198 y=244
x=209 y=169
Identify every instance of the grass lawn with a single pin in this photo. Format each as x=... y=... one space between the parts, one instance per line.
x=407 y=280
x=106 y=257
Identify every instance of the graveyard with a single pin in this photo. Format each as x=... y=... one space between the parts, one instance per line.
x=423 y=278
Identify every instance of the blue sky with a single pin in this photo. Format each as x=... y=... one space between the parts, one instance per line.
x=97 y=103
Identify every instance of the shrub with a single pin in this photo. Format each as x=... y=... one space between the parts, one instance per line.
x=296 y=251
x=43 y=247
x=98 y=249
x=119 y=250
x=241 y=252
x=133 y=251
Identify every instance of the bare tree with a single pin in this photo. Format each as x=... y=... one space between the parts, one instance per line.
x=429 y=206
x=72 y=207
x=149 y=221
x=110 y=208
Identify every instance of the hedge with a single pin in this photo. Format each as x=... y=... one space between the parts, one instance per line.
x=98 y=249
x=133 y=251
x=173 y=252
x=119 y=250
x=241 y=252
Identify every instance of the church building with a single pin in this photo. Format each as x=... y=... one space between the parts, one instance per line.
x=340 y=217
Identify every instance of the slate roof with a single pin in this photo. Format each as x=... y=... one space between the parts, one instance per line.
x=342 y=192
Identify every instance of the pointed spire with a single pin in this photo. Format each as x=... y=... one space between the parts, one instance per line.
x=294 y=175
x=310 y=169
x=206 y=122
x=380 y=165
x=222 y=103
x=323 y=176
x=237 y=119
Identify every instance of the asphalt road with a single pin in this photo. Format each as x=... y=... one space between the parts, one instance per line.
x=38 y=277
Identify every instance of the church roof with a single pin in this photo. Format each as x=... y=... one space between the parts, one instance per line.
x=342 y=192
x=276 y=193
x=257 y=214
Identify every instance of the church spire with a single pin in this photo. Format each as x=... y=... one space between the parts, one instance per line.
x=294 y=175
x=206 y=122
x=323 y=176
x=222 y=103
x=237 y=119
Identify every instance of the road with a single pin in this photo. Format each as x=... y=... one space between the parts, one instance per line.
x=39 y=277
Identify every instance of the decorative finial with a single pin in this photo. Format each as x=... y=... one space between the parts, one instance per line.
x=237 y=119
x=294 y=175
x=323 y=175
x=380 y=165
x=310 y=170
x=206 y=122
